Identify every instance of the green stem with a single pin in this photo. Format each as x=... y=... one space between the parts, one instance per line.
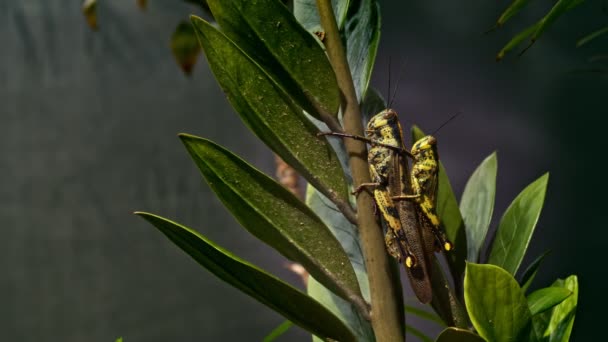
x=386 y=304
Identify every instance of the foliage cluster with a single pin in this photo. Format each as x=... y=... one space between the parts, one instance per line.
x=273 y=67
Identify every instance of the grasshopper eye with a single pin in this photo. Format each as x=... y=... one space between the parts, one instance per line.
x=431 y=140
x=389 y=114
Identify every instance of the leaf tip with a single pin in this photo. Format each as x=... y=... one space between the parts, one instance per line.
x=142 y=214
x=194 y=17
x=544 y=178
x=187 y=138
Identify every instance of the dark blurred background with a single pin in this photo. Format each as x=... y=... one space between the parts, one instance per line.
x=88 y=130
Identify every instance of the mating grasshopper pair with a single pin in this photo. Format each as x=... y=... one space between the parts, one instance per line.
x=413 y=227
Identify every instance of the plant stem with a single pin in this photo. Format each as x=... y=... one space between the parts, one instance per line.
x=387 y=308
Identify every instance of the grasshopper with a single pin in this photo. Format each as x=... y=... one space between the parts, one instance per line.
x=424 y=186
x=388 y=169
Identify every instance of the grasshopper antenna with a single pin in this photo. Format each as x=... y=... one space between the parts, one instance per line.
x=388 y=93
x=392 y=97
x=445 y=123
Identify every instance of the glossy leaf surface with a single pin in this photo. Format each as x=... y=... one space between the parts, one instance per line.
x=517 y=226
x=270 y=35
x=270 y=113
x=274 y=215
x=267 y=289
x=544 y=299
x=477 y=205
x=496 y=304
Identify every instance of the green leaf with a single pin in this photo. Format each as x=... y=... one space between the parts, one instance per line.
x=278 y=331
x=452 y=334
x=444 y=301
x=556 y=324
x=415 y=332
x=544 y=299
x=89 y=9
x=477 y=205
x=185 y=47
x=267 y=289
x=513 y=8
x=530 y=272
x=307 y=14
x=268 y=111
x=270 y=35
x=449 y=214
x=348 y=236
x=538 y=28
x=274 y=215
x=496 y=304
x=516 y=40
x=119 y=339
x=517 y=225
x=362 y=34
x=360 y=31
x=560 y=7
x=586 y=39
x=342 y=309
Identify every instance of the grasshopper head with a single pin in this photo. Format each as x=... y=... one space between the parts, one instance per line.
x=380 y=121
x=424 y=144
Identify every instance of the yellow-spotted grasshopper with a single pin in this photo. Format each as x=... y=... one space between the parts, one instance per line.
x=404 y=239
x=424 y=187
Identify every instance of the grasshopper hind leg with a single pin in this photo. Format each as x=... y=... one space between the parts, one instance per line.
x=398 y=249
x=446 y=244
x=442 y=241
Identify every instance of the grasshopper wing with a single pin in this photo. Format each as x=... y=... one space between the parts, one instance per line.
x=420 y=274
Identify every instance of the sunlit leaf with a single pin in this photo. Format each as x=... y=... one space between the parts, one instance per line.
x=477 y=205
x=274 y=215
x=185 y=47
x=362 y=32
x=517 y=226
x=348 y=236
x=270 y=35
x=270 y=113
x=496 y=304
x=267 y=289
x=307 y=14
x=544 y=299
x=555 y=325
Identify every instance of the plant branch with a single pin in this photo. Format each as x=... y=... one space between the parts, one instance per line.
x=387 y=311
